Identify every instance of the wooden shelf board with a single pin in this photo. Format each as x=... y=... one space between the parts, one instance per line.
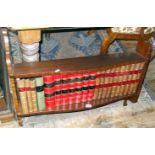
x=73 y=64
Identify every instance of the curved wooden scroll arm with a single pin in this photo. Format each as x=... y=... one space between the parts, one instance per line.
x=142 y=46
x=107 y=41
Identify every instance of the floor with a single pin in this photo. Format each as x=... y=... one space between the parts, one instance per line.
x=139 y=115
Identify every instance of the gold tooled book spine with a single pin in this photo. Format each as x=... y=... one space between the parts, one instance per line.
x=107 y=82
x=99 y=89
x=122 y=78
x=130 y=68
x=112 y=80
x=96 y=89
x=133 y=66
x=22 y=95
x=126 y=78
x=28 y=93
x=138 y=66
x=33 y=95
x=102 y=83
x=116 y=80
x=135 y=78
x=141 y=67
x=104 y=88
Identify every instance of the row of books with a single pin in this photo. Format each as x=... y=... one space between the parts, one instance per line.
x=48 y=92
x=62 y=89
x=31 y=94
x=117 y=82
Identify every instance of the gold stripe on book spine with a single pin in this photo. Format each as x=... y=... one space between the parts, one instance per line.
x=97 y=83
x=99 y=89
x=133 y=67
x=23 y=96
x=141 y=67
x=33 y=95
x=28 y=93
x=106 y=82
x=127 y=78
x=102 y=83
x=122 y=78
x=110 y=78
x=103 y=88
x=113 y=89
x=137 y=76
x=116 y=80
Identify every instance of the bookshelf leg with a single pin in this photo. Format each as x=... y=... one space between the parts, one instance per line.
x=125 y=103
x=20 y=121
x=134 y=99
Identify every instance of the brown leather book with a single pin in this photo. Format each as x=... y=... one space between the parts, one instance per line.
x=28 y=93
x=127 y=79
x=22 y=95
x=96 y=93
x=33 y=95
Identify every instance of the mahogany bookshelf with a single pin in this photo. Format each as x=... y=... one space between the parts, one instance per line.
x=110 y=64
x=73 y=64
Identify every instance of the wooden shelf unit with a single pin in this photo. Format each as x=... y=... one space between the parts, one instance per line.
x=98 y=63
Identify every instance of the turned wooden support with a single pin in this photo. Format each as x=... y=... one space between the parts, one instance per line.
x=106 y=42
x=29 y=36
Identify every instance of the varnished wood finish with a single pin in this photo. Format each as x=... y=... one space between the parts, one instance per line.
x=2 y=104
x=5 y=43
x=106 y=42
x=122 y=36
x=14 y=95
x=74 y=64
x=127 y=36
x=6 y=65
x=26 y=70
